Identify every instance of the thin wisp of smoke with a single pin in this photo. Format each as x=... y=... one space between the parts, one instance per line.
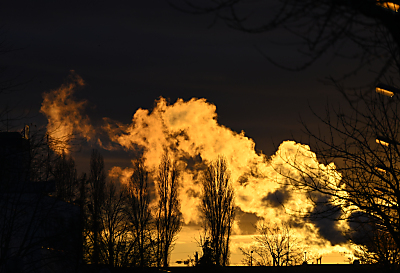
x=65 y=115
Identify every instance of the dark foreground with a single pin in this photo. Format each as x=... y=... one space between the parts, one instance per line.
x=320 y=268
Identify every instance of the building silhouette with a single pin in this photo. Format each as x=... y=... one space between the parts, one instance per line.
x=38 y=232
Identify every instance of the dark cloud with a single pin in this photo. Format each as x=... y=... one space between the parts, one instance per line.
x=193 y=163
x=276 y=198
x=246 y=221
x=294 y=223
x=325 y=215
x=192 y=193
x=253 y=172
x=243 y=179
x=243 y=197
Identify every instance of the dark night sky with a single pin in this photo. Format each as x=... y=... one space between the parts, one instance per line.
x=131 y=52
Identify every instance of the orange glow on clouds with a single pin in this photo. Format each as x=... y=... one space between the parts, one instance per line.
x=65 y=115
x=193 y=136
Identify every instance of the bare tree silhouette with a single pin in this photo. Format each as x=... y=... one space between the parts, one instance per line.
x=96 y=196
x=274 y=242
x=318 y=27
x=376 y=246
x=66 y=179
x=168 y=216
x=218 y=209
x=114 y=236
x=139 y=213
x=362 y=141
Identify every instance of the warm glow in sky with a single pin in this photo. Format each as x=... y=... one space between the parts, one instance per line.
x=194 y=137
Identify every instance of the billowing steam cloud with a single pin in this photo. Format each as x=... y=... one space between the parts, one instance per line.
x=192 y=135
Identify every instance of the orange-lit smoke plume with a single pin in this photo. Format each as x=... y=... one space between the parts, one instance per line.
x=65 y=115
x=193 y=137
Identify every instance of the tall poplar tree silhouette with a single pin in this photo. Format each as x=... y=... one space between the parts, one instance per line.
x=168 y=215
x=218 y=209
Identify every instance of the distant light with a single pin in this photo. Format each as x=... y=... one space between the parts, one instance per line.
x=386 y=90
x=382 y=142
x=385 y=141
x=381 y=168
